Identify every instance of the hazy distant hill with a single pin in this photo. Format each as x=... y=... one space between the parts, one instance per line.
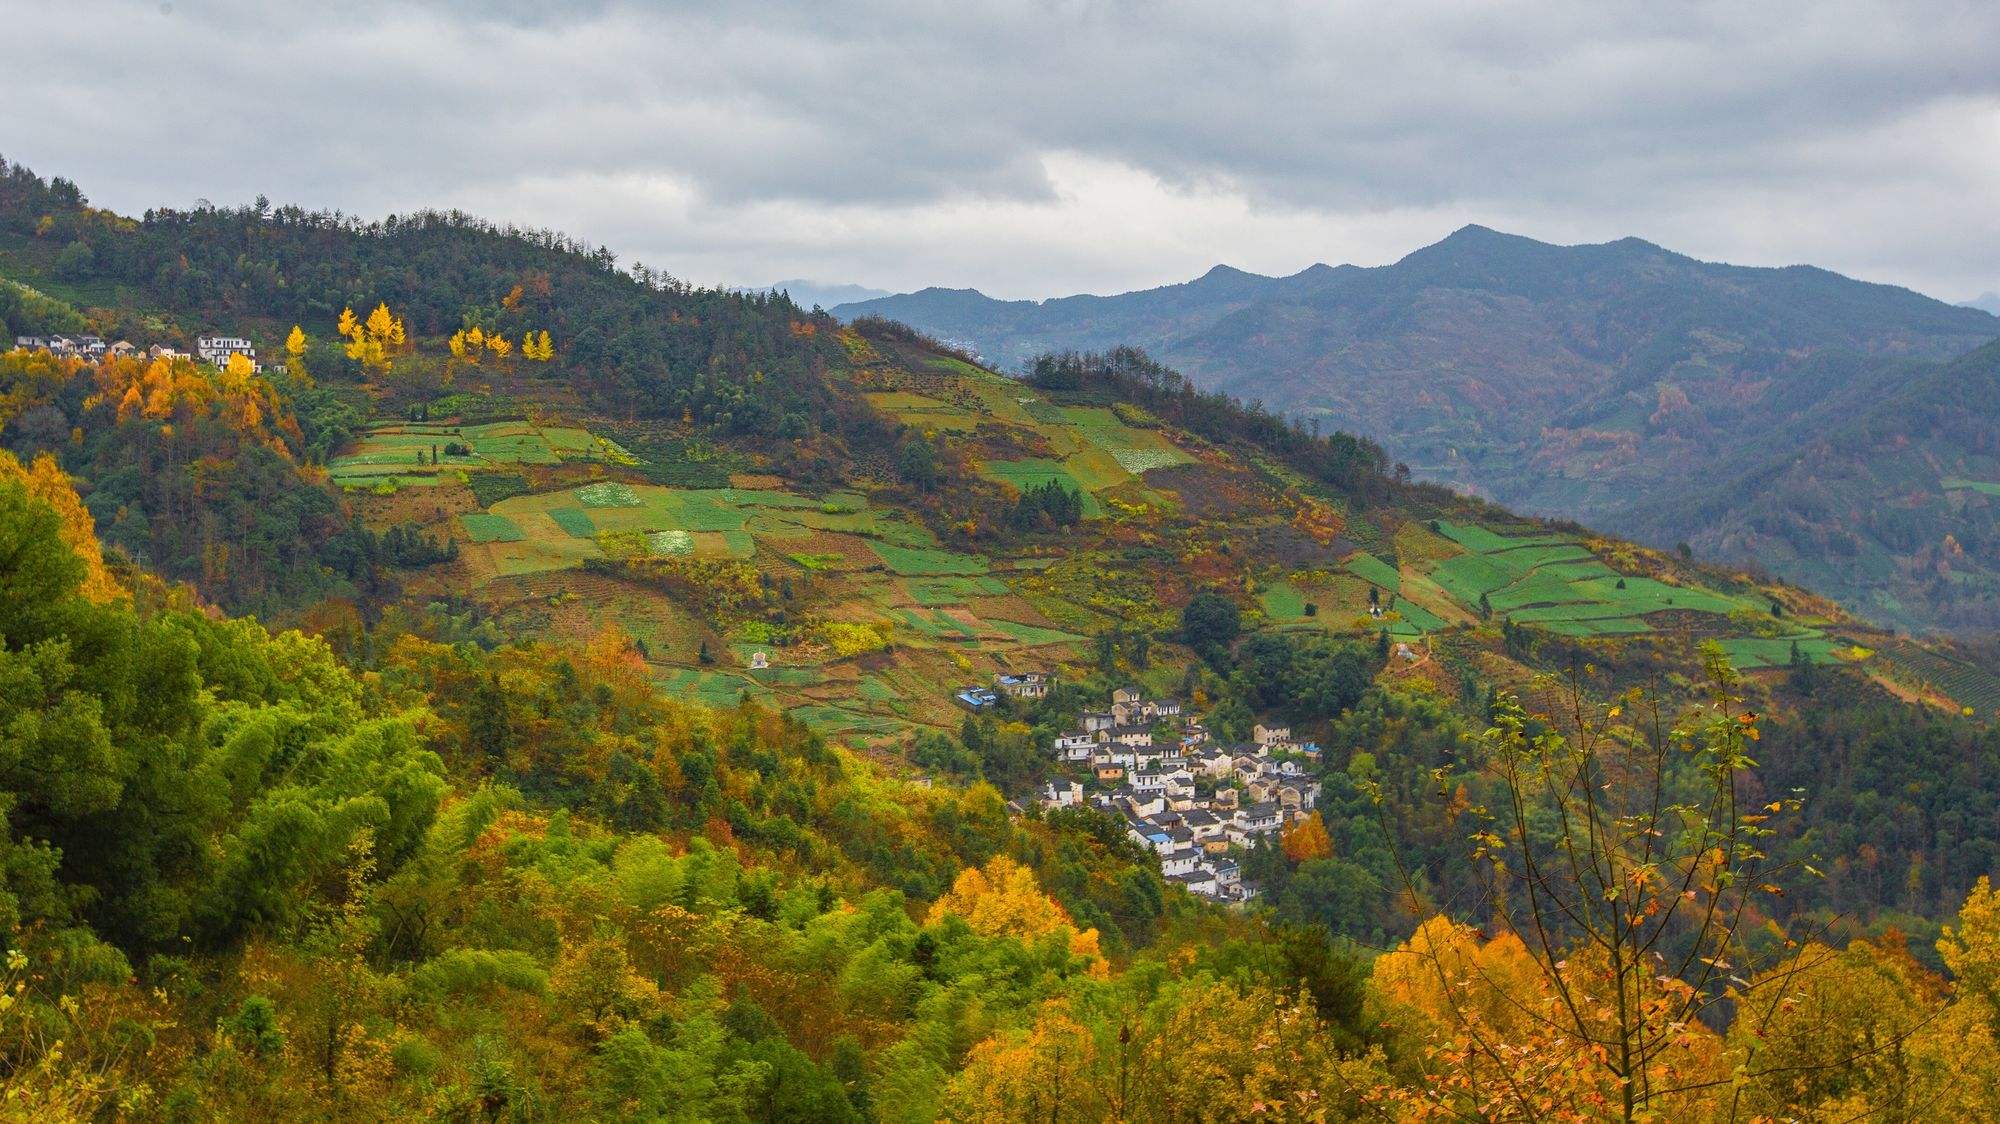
x=1597 y=382
x=1985 y=302
x=811 y=294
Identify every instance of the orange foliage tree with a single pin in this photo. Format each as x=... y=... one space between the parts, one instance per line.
x=1002 y=899
x=46 y=481
x=1307 y=839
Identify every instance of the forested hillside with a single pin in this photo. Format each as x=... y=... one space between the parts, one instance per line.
x=598 y=748
x=1601 y=383
x=1890 y=499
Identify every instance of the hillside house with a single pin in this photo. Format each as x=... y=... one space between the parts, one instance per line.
x=1110 y=773
x=1151 y=836
x=1029 y=685
x=1143 y=805
x=1258 y=819
x=1075 y=746
x=1095 y=721
x=216 y=350
x=1271 y=736
x=1060 y=794
x=1203 y=824
x=977 y=698
x=1199 y=881
x=1126 y=695
x=1129 y=735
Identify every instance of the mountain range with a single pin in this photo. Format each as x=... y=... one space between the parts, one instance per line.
x=1620 y=384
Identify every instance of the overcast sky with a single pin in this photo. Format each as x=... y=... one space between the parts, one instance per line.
x=1047 y=147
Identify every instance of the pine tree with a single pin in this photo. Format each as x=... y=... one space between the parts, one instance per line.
x=487 y=726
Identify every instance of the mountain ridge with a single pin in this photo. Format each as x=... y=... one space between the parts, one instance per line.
x=1577 y=380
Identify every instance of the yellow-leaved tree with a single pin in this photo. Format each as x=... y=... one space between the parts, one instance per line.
x=1002 y=899
x=46 y=481
x=295 y=358
x=1307 y=839
x=1199 y=1049
x=374 y=341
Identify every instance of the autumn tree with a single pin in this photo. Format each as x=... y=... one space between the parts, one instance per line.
x=295 y=358
x=1003 y=899
x=46 y=481
x=1307 y=839
x=373 y=342
x=1625 y=861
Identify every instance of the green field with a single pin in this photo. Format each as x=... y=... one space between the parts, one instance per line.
x=1375 y=571
x=1033 y=472
x=482 y=526
x=1135 y=450
x=939 y=592
x=419 y=450
x=1749 y=653
x=926 y=561
x=1282 y=601
x=1034 y=634
x=1959 y=483
x=574 y=520
x=1415 y=619
x=1556 y=583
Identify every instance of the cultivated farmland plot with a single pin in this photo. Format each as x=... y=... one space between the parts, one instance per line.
x=413 y=455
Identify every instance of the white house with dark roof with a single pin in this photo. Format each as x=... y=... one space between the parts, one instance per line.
x=216 y=350
x=1060 y=794
x=1129 y=735
x=1258 y=818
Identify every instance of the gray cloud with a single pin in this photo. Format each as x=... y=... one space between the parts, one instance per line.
x=1043 y=146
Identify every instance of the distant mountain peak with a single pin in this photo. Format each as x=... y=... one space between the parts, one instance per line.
x=1228 y=273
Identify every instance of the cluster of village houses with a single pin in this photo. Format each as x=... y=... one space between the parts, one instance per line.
x=214 y=350
x=1190 y=801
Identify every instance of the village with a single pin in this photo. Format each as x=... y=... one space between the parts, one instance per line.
x=213 y=350
x=1193 y=803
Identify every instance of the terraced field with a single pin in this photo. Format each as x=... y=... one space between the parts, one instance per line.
x=1092 y=450
x=412 y=454
x=943 y=612
x=1962 y=681
x=1553 y=581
